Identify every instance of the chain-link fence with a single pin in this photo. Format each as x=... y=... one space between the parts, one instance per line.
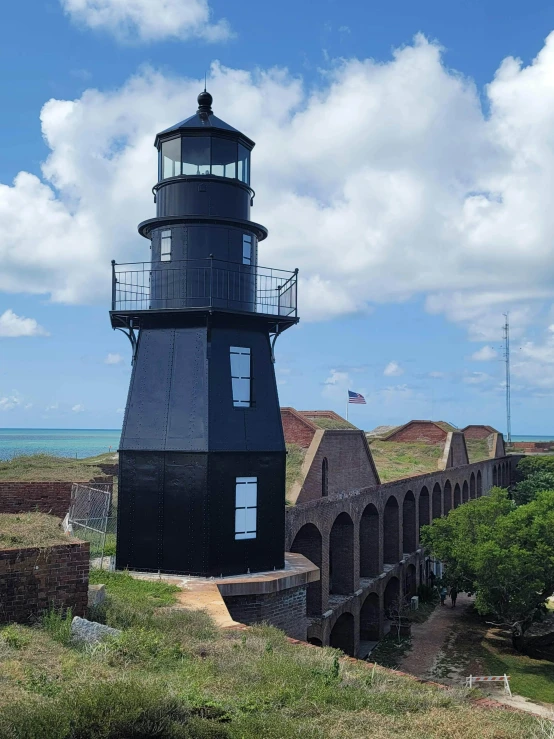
x=92 y=517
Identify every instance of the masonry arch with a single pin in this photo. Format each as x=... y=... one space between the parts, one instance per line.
x=447 y=496
x=409 y=532
x=472 y=486
x=494 y=477
x=315 y=641
x=341 y=555
x=410 y=584
x=479 y=484
x=391 y=539
x=465 y=492
x=508 y=474
x=391 y=595
x=369 y=542
x=424 y=518
x=342 y=634
x=308 y=542
x=324 y=478
x=369 y=618
x=437 y=501
x=457 y=495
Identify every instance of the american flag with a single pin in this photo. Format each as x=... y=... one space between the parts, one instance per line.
x=356 y=398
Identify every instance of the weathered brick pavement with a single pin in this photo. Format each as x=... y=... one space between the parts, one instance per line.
x=429 y=637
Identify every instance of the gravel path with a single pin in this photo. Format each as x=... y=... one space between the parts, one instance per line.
x=429 y=637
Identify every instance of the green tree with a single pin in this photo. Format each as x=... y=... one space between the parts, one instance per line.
x=526 y=490
x=502 y=553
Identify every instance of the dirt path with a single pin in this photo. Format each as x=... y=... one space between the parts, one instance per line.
x=428 y=638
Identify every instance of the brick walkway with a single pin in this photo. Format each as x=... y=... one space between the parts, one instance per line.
x=429 y=637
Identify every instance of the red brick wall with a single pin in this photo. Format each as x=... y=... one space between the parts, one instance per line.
x=419 y=432
x=477 y=432
x=296 y=430
x=348 y=464
x=45 y=497
x=533 y=446
x=33 y=580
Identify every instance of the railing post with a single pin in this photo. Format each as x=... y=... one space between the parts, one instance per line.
x=211 y=280
x=113 y=284
x=296 y=292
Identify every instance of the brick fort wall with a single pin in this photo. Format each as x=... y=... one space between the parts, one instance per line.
x=285 y=609
x=28 y=497
x=33 y=580
x=419 y=432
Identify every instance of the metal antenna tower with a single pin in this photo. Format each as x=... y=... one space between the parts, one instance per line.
x=507 y=361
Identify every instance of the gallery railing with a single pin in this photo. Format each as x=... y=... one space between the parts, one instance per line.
x=204 y=283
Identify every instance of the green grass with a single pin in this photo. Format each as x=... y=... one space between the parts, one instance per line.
x=477 y=450
x=331 y=423
x=395 y=460
x=44 y=467
x=295 y=459
x=173 y=674
x=18 y=530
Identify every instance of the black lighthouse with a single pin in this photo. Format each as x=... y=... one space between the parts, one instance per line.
x=202 y=453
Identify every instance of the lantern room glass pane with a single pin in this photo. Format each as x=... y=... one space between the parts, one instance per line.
x=224 y=157
x=196 y=155
x=171 y=158
x=244 y=164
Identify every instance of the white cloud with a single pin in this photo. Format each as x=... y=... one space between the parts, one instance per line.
x=436 y=375
x=427 y=190
x=336 y=385
x=149 y=20
x=393 y=369
x=113 y=359
x=53 y=407
x=485 y=354
x=9 y=402
x=78 y=408
x=12 y=325
x=476 y=378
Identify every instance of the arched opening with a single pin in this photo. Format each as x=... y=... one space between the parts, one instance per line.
x=494 y=477
x=369 y=542
x=369 y=618
x=342 y=634
x=472 y=486
x=465 y=492
x=457 y=495
x=424 y=518
x=447 y=505
x=341 y=555
x=508 y=474
x=308 y=543
x=315 y=641
x=391 y=595
x=479 y=484
x=324 y=478
x=409 y=523
x=437 y=501
x=391 y=543
x=410 y=584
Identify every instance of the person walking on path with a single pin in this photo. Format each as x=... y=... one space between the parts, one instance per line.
x=453 y=596
x=443 y=592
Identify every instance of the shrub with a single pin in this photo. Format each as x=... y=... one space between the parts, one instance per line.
x=530 y=465
x=58 y=624
x=527 y=490
x=14 y=637
x=109 y=710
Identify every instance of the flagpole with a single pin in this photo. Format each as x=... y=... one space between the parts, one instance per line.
x=347 y=399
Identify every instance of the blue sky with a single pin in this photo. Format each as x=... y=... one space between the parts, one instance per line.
x=404 y=163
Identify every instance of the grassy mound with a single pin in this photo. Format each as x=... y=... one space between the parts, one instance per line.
x=295 y=460
x=174 y=674
x=477 y=450
x=395 y=460
x=30 y=530
x=44 y=467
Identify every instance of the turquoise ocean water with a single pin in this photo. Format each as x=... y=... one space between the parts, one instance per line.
x=60 y=442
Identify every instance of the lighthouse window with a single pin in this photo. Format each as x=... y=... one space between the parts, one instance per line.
x=240 y=376
x=196 y=155
x=224 y=157
x=171 y=158
x=244 y=164
x=246 y=501
x=246 y=249
x=165 y=251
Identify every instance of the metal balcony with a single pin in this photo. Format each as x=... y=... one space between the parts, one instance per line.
x=198 y=284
